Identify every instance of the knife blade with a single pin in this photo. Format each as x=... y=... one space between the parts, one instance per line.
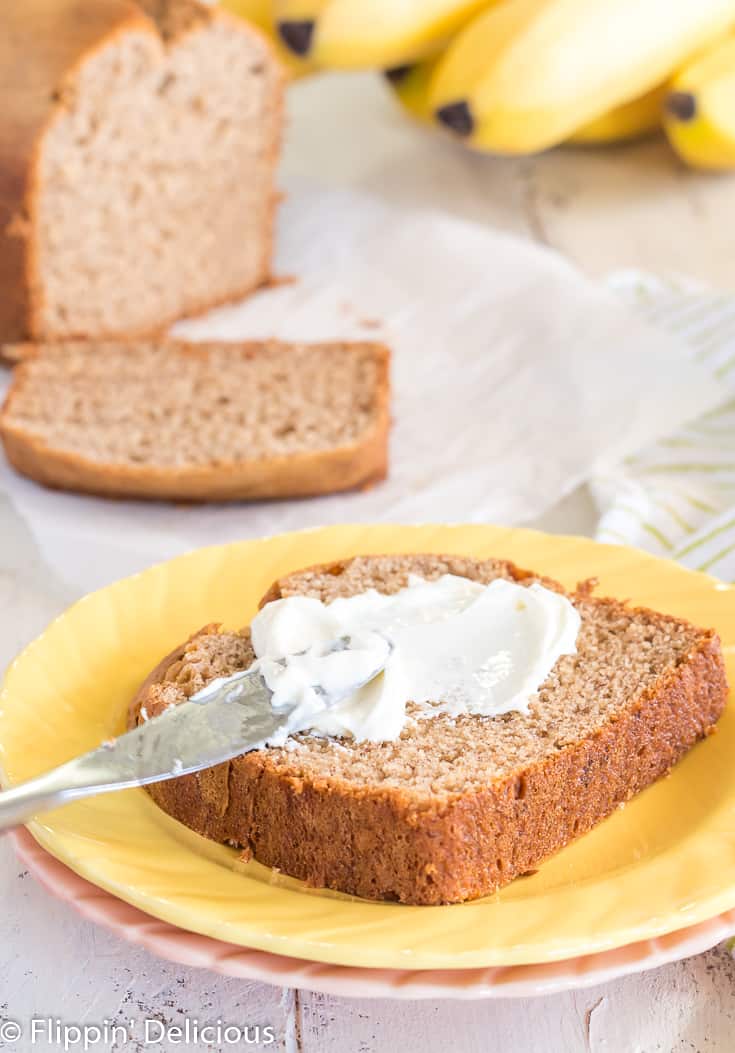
x=227 y=718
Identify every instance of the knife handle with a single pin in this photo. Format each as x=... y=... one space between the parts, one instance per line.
x=53 y=788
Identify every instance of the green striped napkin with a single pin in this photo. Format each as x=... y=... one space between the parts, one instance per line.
x=676 y=498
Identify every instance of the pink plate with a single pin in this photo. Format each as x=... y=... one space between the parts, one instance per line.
x=519 y=981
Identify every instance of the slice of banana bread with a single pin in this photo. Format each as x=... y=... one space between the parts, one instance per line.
x=165 y=419
x=460 y=806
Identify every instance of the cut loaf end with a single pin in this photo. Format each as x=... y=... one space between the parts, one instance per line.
x=457 y=807
x=212 y=421
x=139 y=173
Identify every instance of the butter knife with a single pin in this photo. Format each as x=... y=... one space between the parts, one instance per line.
x=224 y=720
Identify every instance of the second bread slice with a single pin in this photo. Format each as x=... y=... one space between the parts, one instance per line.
x=212 y=421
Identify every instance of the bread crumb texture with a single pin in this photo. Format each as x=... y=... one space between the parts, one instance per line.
x=173 y=405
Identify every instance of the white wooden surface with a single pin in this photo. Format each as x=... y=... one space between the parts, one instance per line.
x=605 y=209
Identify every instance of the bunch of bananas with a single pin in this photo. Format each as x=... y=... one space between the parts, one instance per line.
x=519 y=76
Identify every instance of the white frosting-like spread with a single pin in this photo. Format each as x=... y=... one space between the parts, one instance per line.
x=453 y=645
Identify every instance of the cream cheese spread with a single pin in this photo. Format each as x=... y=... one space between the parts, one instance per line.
x=451 y=645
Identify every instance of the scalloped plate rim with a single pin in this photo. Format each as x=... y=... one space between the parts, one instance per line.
x=525 y=981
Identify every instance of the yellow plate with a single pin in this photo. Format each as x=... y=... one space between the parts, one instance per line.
x=664 y=861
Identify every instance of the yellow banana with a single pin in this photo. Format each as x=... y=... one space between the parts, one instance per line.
x=363 y=34
x=260 y=13
x=699 y=111
x=294 y=22
x=527 y=74
x=411 y=87
x=624 y=123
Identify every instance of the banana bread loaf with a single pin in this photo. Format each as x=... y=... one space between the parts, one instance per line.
x=138 y=140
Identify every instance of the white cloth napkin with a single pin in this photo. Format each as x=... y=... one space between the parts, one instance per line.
x=676 y=496
x=515 y=378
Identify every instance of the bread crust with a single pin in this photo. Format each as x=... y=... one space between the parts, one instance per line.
x=43 y=45
x=388 y=844
x=360 y=464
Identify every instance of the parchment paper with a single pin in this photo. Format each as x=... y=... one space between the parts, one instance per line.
x=514 y=379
